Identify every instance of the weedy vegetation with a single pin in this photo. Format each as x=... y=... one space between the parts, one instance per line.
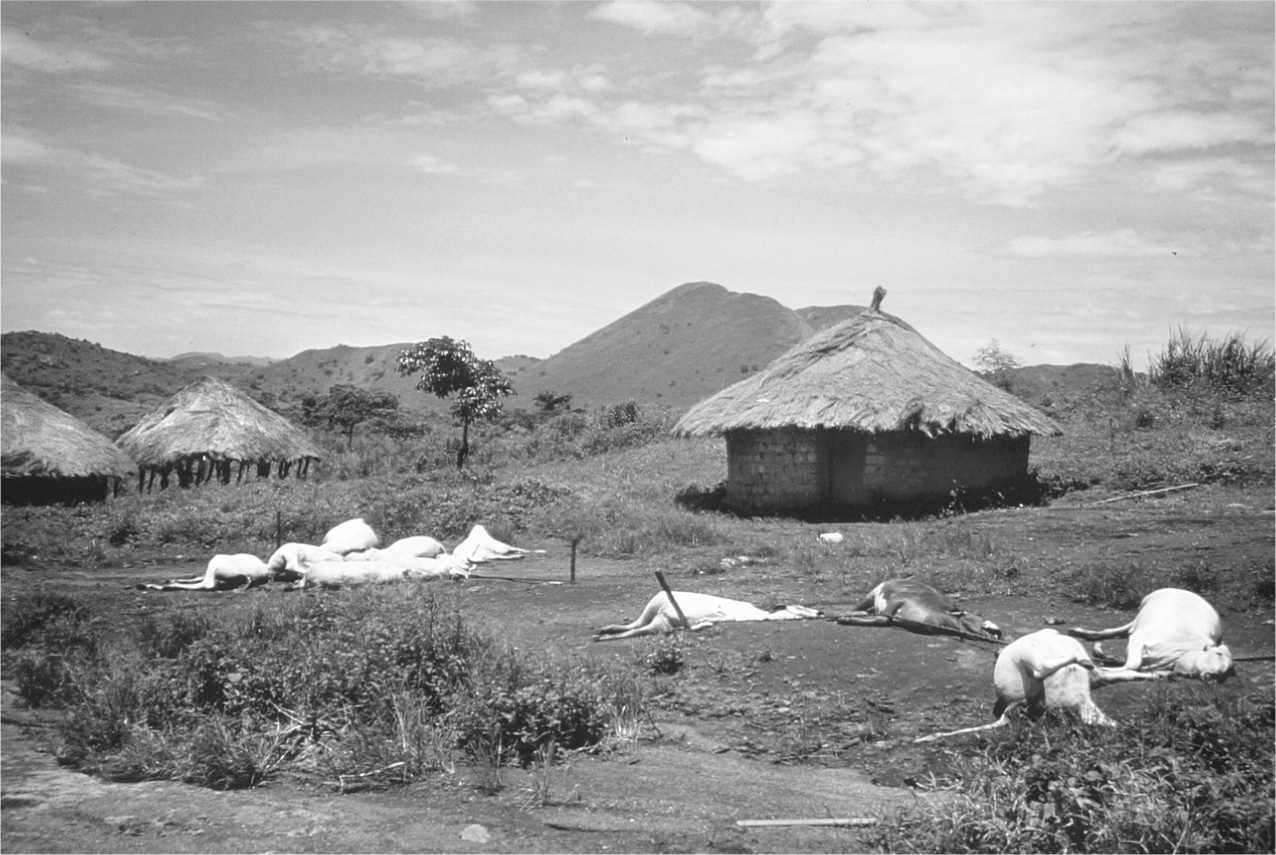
x=378 y=686
x=1194 y=776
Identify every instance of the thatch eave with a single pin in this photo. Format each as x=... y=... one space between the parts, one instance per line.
x=39 y=440
x=212 y=420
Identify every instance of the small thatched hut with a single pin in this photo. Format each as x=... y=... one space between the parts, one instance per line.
x=50 y=456
x=207 y=428
x=866 y=415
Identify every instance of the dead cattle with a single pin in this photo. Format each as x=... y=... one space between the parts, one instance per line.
x=224 y=573
x=918 y=607
x=700 y=610
x=1175 y=632
x=1042 y=670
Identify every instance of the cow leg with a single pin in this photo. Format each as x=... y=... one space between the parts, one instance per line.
x=1000 y=722
x=862 y=618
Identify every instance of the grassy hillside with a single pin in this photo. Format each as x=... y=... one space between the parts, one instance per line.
x=671 y=352
x=679 y=348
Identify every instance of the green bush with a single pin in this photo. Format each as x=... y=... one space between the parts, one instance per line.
x=1228 y=364
x=382 y=678
x=1194 y=776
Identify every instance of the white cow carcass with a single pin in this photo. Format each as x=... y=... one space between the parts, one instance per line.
x=350 y=536
x=1042 y=670
x=351 y=574
x=479 y=546
x=700 y=611
x=224 y=572
x=1174 y=633
x=419 y=546
x=288 y=562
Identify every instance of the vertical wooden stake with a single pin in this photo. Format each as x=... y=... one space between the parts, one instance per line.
x=660 y=577
x=279 y=528
x=575 y=540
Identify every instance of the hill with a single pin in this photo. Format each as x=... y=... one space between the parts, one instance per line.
x=680 y=347
x=673 y=351
x=196 y=358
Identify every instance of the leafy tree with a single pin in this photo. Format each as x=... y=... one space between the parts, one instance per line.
x=996 y=363
x=450 y=369
x=346 y=407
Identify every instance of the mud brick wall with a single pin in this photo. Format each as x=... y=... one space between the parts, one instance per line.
x=785 y=468
x=907 y=465
x=790 y=468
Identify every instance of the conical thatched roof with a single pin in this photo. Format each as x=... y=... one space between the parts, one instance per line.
x=41 y=441
x=212 y=418
x=871 y=373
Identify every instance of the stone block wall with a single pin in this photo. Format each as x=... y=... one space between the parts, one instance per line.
x=789 y=469
x=775 y=469
x=907 y=465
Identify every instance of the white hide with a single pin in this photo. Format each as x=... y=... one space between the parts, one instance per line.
x=350 y=536
x=288 y=561
x=223 y=572
x=349 y=574
x=1174 y=632
x=409 y=547
x=700 y=610
x=479 y=546
x=1042 y=670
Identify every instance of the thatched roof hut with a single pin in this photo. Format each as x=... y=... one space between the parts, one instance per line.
x=209 y=426
x=48 y=455
x=865 y=413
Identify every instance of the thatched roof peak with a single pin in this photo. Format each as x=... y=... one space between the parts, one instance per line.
x=38 y=439
x=871 y=373
x=212 y=418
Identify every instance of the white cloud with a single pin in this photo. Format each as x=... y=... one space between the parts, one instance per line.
x=1175 y=130
x=537 y=79
x=656 y=16
x=1122 y=243
x=93 y=174
x=1205 y=172
x=431 y=61
x=144 y=100
x=431 y=165
x=52 y=57
x=756 y=148
x=324 y=148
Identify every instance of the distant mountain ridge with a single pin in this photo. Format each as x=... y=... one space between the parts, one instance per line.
x=195 y=356
x=673 y=351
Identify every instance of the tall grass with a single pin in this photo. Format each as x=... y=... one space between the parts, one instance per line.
x=1227 y=364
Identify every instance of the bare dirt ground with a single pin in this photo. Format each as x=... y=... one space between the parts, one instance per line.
x=774 y=720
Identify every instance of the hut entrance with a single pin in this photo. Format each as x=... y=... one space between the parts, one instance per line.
x=846 y=451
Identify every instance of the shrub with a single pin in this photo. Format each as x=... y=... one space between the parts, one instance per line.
x=1195 y=776
x=223 y=701
x=665 y=656
x=1228 y=364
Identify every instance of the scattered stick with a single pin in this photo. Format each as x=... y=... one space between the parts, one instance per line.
x=1266 y=657
x=341 y=779
x=660 y=577
x=1142 y=493
x=779 y=823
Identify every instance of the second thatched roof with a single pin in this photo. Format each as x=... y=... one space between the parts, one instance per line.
x=41 y=441
x=210 y=417
x=871 y=373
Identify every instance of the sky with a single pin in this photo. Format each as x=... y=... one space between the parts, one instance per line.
x=1071 y=180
